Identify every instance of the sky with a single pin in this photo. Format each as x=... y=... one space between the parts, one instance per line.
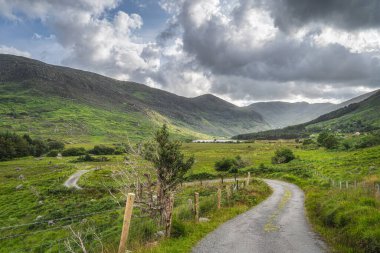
x=243 y=51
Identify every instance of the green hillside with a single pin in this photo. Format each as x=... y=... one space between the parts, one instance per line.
x=47 y=100
x=363 y=116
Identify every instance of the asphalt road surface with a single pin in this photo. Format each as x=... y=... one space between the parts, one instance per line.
x=277 y=225
x=72 y=182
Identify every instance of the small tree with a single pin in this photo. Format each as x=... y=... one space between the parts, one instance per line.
x=224 y=166
x=283 y=155
x=171 y=167
x=230 y=165
x=328 y=140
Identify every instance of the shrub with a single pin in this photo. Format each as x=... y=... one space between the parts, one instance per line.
x=283 y=155
x=55 y=145
x=52 y=153
x=74 y=152
x=89 y=158
x=39 y=148
x=224 y=165
x=328 y=140
x=102 y=150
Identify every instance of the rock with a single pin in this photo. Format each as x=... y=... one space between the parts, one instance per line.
x=40 y=202
x=59 y=156
x=203 y=219
x=160 y=234
x=51 y=223
x=92 y=200
x=18 y=169
x=19 y=187
x=39 y=217
x=21 y=177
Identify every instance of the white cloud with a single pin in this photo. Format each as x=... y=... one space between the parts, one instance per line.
x=11 y=50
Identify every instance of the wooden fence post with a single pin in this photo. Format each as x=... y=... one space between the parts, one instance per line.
x=340 y=185
x=228 y=192
x=249 y=178
x=127 y=222
x=219 y=198
x=346 y=184
x=196 y=206
x=237 y=185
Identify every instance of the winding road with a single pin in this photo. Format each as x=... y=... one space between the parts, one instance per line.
x=277 y=225
x=72 y=182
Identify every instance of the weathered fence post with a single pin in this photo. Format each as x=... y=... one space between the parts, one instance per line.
x=127 y=222
x=237 y=185
x=219 y=198
x=346 y=184
x=340 y=185
x=249 y=178
x=196 y=206
x=228 y=192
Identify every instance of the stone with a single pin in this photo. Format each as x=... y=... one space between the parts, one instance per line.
x=19 y=187
x=203 y=219
x=51 y=223
x=160 y=234
x=39 y=217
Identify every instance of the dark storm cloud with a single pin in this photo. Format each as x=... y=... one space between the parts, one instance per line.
x=281 y=59
x=283 y=67
x=345 y=14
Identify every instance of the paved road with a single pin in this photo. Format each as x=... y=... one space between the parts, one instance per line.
x=277 y=225
x=72 y=182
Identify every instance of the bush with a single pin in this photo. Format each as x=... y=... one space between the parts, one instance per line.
x=52 y=153
x=328 y=140
x=283 y=155
x=224 y=165
x=102 y=150
x=55 y=145
x=74 y=152
x=89 y=158
x=39 y=148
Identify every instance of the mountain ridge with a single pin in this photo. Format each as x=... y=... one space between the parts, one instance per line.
x=208 y=115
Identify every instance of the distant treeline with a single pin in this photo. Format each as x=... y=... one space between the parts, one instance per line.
x=15 y=146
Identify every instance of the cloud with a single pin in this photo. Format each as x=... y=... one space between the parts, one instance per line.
x=247 y=56
x=94 y=39
x=343 y=14
x=241 y=50
x=14 y=51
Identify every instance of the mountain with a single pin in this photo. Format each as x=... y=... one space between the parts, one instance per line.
x=282 y=114
x=361 y=116
x=47 y=100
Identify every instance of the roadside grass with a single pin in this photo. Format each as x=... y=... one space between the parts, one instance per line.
x=186 y=233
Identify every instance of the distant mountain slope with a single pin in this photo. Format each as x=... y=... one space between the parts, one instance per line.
x=361 y=116
x=282 y=114
x=23 y=79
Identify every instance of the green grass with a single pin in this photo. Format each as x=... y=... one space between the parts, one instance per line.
x=348 y=219
x=75 y=122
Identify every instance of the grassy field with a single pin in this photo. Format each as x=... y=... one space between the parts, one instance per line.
x=38 y=211
x=348 y=218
